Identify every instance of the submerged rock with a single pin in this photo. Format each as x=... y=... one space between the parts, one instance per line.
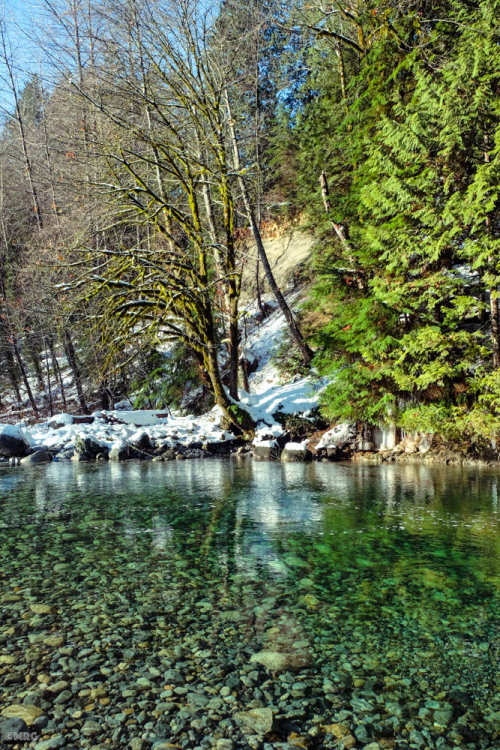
x=260 y=720
x=10 y=727
x=24 y=711
x=277 y=661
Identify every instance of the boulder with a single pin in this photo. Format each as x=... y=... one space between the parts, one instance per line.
x=194 y=445
x=86 y=447
x=119 y=452
x=38 y=457
x=266 y=450
x=141 y=441
x=13 y=441
x=294 y=452
x=224 y=447
x=338 y=442
x=316 y=438
x=425 y=442
x=65 y=454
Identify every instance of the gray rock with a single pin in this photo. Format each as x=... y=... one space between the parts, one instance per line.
x=295 y=454
x=222 y=448
x=12 y=442
x=38 y=457
x=266 y=452
x=91 y=728
x=53 y=743
x=119 y=453
x=341 y=437
x=142 y=442
x=425 y=443
x=260 y=720
x=10 y=727
x=87 y=447
x=65 y=454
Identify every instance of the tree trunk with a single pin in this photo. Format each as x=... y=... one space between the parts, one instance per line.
x=73 y=363
x=58 y=374
x=306 y=351
x=49 y=387
x=495 y=321
x=25 y=378
x=244 y=374
x=226 y=289
x=37 y=366
x=22 y=134
x=340 y=231
x=239 y=419
x=261 y=307
x=495 y=328
x=11 y=366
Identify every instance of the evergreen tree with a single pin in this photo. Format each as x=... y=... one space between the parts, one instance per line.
x=414 y=188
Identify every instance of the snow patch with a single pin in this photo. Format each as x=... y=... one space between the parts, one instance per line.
x=60 y=419
x=296 y=446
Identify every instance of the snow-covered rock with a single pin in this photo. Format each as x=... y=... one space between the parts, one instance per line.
x=13 y=441
x=340 y=436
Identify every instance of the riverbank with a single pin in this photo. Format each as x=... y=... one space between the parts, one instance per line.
x=156 y=436
x=285 y=410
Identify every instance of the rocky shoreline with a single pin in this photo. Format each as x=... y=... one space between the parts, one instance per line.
x=342 y=442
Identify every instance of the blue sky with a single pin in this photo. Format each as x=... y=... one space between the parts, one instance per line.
x=19 y=8
x=17 y=14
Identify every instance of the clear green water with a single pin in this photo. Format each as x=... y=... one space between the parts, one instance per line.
x=380 y=585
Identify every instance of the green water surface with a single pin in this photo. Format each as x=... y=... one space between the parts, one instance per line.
x=380 y=584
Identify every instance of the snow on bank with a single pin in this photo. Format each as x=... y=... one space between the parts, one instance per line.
x=112 y=428
x=268 y=396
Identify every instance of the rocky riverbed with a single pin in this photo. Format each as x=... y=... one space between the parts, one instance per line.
x=259 y=606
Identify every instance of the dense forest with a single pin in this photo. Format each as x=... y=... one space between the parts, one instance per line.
x=150 y=141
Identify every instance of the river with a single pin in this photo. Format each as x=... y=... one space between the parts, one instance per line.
x=242 y=604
